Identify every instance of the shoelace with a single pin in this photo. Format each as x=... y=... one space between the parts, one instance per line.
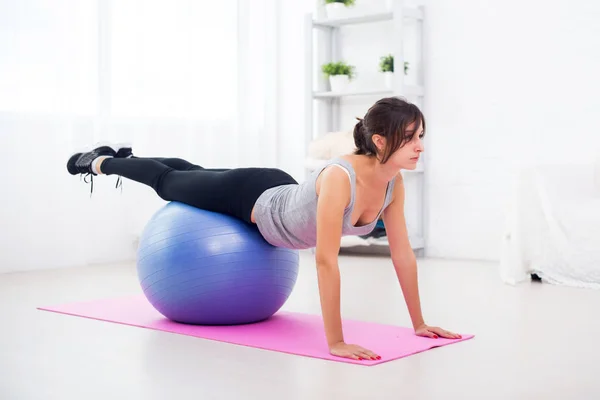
x=119 y=184
x=91 y=182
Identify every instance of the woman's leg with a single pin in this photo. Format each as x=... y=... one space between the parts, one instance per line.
x=180 y=164
x=230 y=191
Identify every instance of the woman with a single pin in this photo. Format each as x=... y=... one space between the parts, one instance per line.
x=345 y=197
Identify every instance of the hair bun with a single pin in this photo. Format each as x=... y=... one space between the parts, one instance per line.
x=360 y=139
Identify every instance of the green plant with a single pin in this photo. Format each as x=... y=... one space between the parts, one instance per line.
x=338 y=68
x=386 y=64
x=347 y=3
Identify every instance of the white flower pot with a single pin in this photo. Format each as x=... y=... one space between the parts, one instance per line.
x=339 y=83
x=388 y=77
x=335 y=10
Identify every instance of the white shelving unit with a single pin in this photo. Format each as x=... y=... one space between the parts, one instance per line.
x=322 y=45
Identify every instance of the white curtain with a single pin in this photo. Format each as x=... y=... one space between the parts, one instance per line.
x=184 y=78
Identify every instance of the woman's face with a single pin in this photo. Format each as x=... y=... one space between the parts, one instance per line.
x=407 y=156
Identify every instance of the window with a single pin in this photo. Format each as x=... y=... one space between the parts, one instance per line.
x=175 y=59
x=48 y=60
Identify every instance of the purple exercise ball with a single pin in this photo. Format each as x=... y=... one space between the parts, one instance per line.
x=205 y=268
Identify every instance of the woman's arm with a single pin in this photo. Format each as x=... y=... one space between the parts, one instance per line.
x=405 y=263
x=403 y=257
x=334 y=196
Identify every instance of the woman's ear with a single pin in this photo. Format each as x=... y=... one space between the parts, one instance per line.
x=379 y=142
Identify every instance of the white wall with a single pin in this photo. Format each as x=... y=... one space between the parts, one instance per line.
x=507 y=82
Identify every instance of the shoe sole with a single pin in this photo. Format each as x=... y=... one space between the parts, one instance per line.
x=115 y=146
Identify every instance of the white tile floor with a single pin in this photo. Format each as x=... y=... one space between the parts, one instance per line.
x=534 y=341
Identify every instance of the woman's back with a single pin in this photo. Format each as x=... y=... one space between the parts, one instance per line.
x=287 y=215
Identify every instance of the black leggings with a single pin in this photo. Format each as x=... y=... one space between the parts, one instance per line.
x=229 y=191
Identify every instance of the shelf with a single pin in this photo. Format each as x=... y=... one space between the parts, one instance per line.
x=324 y=95
x=362 y=19
x=408 y=90
x=324 y=108
x=357 y=241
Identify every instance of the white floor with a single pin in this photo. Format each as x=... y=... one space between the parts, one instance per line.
x=534 y=341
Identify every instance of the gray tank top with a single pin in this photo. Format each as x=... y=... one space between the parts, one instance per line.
x=286 y=215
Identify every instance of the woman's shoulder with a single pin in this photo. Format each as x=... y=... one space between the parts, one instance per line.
x=335 y=185
x=336 y=170
x=332 y=175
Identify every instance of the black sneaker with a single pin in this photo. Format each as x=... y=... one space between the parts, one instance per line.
x=81 y=163
x=122 y=150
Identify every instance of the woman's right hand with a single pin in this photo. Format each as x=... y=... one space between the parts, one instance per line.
x=353 y=351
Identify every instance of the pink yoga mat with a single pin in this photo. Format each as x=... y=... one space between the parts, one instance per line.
x=287 y=332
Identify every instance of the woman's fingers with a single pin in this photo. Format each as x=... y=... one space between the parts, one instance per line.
x=360 y=353
x=354 y=352
x=429 y=333
x=451 y=335
x=371 y=355
x=446 y=334
x=365 y=356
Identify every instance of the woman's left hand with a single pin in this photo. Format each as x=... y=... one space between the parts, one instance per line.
x=435 y=332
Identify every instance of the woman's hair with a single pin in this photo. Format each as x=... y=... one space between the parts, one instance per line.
x=388 y=117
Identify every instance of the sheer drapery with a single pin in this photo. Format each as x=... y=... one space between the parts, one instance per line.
x=182 y=78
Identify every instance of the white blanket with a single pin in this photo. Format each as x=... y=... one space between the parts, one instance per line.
x=553 y=226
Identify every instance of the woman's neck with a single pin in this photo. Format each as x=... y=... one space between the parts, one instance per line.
x=372 y=171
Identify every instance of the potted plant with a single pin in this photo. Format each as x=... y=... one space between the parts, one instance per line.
x=336 y=8
x=386 y=66
x=339 y=74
